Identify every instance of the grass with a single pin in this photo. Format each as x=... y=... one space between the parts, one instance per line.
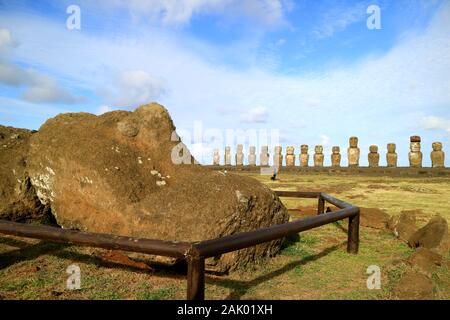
x=314 y=266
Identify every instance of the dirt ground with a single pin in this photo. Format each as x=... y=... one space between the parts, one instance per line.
x=314 y=267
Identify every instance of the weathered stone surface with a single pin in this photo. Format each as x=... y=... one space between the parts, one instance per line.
x=240 y=155
x=318 y=156
x=290 y=156
x=18 y=199
x=374 y=218
x=391 y=155
x=353 y=152
x=227 y=156
x=437 y=155
x=264 y=156
x=252 y=156
x=414 y=286
x=278 y=156
x=216 y=157
x=336 y=156
x=434 y=235
x=415 y=155
x=425 y=260
x=95 y=178
x=374 y=156
x=403 y=225
x=304 y=156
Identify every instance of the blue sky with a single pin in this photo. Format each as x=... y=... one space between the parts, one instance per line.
x=310 y=69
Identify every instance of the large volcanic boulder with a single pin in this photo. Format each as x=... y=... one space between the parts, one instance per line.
x=434 y=235
x=118 y=173
x=18 y=200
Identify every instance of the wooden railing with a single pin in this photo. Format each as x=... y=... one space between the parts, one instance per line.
x=195 y=253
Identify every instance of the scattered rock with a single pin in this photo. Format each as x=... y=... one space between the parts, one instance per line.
x=55 y=293
x=414 y=286
x=35 y=269
x=373 y=218
x=434 y=236
x=425 y=260
x=403 y=225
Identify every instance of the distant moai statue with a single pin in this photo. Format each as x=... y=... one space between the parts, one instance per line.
x=278 y=156
x=304 y=156
x=290 y=157
x=264 y=156
x=252 y=156
x=318 y=156
x=353 y=152
x=415 y=155
x=240 y=155
x=216 y=157
x=227 y=156
x=437 y=155
x=336 y=156
x=391 y=156
x=374 y=156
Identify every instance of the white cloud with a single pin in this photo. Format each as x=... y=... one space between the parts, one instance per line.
x=255 y=115
x=103 y=109
x=133 y=88
x=180 y=12
x=6 y=39
x=436 y=123
x=338 y=18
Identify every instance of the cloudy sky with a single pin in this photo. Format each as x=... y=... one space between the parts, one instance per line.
x=310 y=70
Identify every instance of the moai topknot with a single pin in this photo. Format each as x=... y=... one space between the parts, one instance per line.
x=278 y=157
x=318 y=156
x=437 y=155
x=290 y=157
x=240 y=155
x=252 y=156
x=391 y=156
x=264 y=156
x=374 y=156
x=216 y=157
x=227 y=156
x=415 y=155
x=336 y=157
x=353 y=152
x=304 y=156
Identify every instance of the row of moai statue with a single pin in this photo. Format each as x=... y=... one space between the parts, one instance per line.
x=353 y=155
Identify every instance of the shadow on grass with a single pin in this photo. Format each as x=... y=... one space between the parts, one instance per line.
x=178 y=271
x=239 y=287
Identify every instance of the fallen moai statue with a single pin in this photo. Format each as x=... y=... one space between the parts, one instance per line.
x=116 y=173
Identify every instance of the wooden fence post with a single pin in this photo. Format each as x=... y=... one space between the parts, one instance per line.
x=196 y=278
x=353 y=234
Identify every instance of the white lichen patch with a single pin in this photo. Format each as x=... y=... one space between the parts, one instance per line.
x=160 y=183
x=86 y=180
x=140 y=160
x=50 y=170
x=43 y=185
x=154 y=172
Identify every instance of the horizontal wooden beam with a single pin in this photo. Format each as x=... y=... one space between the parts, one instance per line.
x=100 y=240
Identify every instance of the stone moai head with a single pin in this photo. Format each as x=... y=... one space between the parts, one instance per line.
x=353 y=142
x=373 y=149
x=264 y=149
x=227 y=149
x=391 y=147
x=304 y=149
x=278 y=149
x=437 y=146
x=336 y=149
x=252 y=150
x=239 y=148
x=318 y=149
x=415 y=143
x=290 y=150
x=216 y=152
